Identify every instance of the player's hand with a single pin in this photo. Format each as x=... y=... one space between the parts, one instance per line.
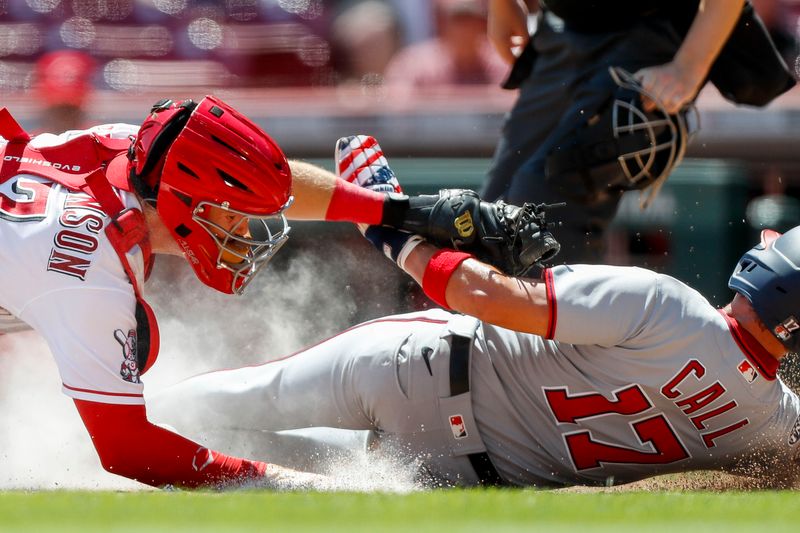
x=286 y=479
x=393 y=243
x=671 y=84
x=508 y=237
x=359 y=159
x=507 y=27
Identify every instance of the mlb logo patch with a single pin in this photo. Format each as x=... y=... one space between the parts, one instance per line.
x=457 y=427
x=747 y=371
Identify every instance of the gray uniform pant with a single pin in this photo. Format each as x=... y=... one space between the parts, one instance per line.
x=389 y=376
x=569 y=82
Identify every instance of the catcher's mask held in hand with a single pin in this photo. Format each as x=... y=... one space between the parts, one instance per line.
x=621 y=147
x=769 y=277
x=202 y=163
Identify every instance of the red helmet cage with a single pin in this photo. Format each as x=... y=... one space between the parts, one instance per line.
x=190 y=157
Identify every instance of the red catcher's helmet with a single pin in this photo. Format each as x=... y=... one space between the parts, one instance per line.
x=191 y=157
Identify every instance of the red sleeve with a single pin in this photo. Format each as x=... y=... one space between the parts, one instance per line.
x=552 y=306
x=130 y=446
x=351 y=203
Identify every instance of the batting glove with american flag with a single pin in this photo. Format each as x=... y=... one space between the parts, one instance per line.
x=359 y=159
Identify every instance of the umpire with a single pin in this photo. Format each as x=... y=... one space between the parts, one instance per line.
x=563 y=113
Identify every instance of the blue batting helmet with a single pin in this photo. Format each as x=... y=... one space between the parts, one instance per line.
x=769 y=277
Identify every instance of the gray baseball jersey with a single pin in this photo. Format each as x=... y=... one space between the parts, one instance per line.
x=641 y=376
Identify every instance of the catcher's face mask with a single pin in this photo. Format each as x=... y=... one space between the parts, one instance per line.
x=245 y=242
x=622 y=147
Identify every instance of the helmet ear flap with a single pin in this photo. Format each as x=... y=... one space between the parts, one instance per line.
x=768 y=275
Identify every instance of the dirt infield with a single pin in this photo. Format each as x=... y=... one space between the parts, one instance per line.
x=696 y=481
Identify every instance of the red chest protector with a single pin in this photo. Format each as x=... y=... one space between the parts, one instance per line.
x=80 y=165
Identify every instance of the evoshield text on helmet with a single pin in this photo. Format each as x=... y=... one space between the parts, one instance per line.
x=195 y=160
x=768 y=275
x=620 y=146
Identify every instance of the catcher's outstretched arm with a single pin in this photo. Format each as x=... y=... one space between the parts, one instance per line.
x=319 y=195
x=480 y=290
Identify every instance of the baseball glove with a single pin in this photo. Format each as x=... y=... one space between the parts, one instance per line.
x=512 y=238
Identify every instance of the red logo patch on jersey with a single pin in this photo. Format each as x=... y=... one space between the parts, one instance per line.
x=129 y=370
x=747 y=371
x=457 y=427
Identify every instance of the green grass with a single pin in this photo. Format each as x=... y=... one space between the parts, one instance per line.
x=485 y=511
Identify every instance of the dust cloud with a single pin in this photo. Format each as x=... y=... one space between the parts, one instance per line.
x=295 y=302
x=43 y=444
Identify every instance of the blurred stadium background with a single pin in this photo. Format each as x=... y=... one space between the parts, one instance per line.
x=414 y=73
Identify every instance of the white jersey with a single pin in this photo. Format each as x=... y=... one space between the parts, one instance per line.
x=640 y=376
x=63 y=278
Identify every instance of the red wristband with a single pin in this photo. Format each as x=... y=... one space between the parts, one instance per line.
x=439 y=271
x=351 y=203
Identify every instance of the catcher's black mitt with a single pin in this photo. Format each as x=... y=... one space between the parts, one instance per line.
x=512 y=238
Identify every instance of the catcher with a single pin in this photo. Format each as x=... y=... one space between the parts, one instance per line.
x=590 y=375
x=82 y=216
